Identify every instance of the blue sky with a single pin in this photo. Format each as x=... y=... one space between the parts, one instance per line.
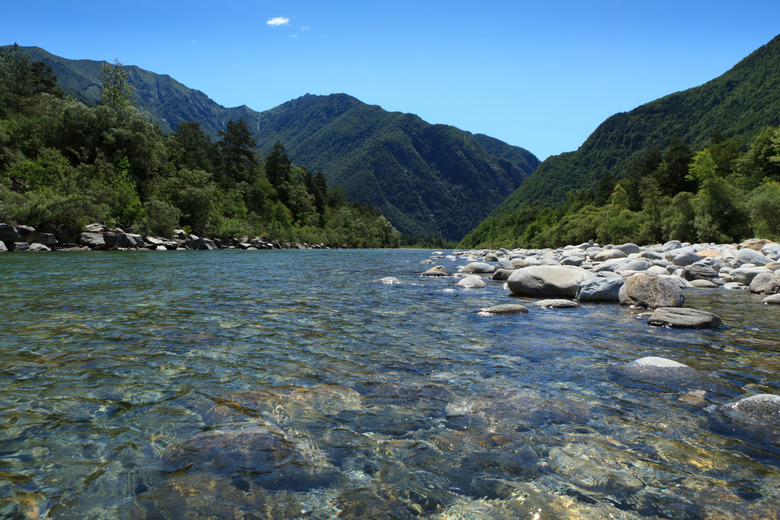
x=541 y=75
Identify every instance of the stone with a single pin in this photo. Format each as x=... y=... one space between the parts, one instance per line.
x=94 y=228
x=633 y=265
x=8 y=233
x=436 y=271
x=389 y=280
x=3 y=248
x=572 y=260
x=477 y=268
x=756 y=244
x=765 y=283
x=683 y=318
x=774 y=299
x=557 y=304
x=47 y=239
x=686 y=259
x=548 y=280
x=745 y=275
x=472 y=282
x=36 y=247
x=502 y=275
x=643 y=290
x=67 y=234
x=599 y=289
x=203 y=244
x=609 y=254
x=699 y=272
x=671 y=245
x=91 y=240
x=735 y=286
x=749 y=256
x=19 y=246
x=761 y=408
x=25 y=232
x=629 y=248
x=704 y=284
x=507 y=308
x=656 y=362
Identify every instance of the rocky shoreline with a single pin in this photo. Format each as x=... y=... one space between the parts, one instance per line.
x=649 y=277
x=97 y=237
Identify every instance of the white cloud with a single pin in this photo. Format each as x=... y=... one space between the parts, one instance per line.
x=279 y=20
x=304 y=28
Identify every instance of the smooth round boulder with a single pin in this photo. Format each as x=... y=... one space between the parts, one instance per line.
x=749 y=256
x=548 y=280
x=472 y=282
x=507 y=308
x=609 y=254
x=648 y=291
x=599 y=289
x=629 y=248
x=683 y=318
x=699 y=272
x=502 y=275
x=477 y=268
x=765 y=283
x=633 y=265
x=686 y=259
x=745 y=275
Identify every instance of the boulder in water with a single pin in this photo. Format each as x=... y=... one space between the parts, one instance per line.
x=548 y=280
x=648 y=291
x=683 y=318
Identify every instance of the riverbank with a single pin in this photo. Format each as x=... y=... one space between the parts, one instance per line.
x=97 y=237
x=649 y=277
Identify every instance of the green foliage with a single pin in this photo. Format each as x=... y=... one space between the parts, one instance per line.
x=63 y=162
x=115 y=90
x=642 y=208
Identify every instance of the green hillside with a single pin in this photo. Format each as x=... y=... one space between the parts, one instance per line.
x=740 y=102
x=428 y=180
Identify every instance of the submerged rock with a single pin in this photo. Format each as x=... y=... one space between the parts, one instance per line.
x=683 y=318
x=557 y=304
x=390 y=280
x=508 y=308
x=256 y=454
x=756 y=410
x=648 y=291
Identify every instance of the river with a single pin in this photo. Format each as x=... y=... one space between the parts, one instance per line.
x=292 y=384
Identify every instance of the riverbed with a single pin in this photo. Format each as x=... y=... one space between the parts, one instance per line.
x=295 y=384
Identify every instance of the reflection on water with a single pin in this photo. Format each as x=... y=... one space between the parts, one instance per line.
x=293 y=384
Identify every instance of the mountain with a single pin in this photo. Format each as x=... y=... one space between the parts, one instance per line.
x=740 y=102
x=428 y=180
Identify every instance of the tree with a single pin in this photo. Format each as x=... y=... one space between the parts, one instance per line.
x=115 y=90
x=277 y=169
x=190 y=147
x=237 y=147
x=22 y=78
x=673 y=170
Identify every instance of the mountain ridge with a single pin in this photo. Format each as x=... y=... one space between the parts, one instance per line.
x=428 y=180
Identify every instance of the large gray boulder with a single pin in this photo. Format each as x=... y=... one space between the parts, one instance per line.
x=686 y=259
x=600 y=289
x=700 y=272
x=648 y=291
x=91 y=240
x=749 y=256
x=629 y=248
x=3 y=249
x=745 y=275
x=548 y=280
x=609 y=254
x=683 y=318
x=766 y=283
x=203 y=244
x=8 y=233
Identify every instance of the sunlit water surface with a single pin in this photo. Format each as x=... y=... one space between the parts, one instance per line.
x=292 y=384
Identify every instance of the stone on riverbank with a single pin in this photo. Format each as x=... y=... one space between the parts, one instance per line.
x=548 y=280
x=648 y=291
x=765 y=283
x=478 y=268
x=8 y=233
x=683 y=318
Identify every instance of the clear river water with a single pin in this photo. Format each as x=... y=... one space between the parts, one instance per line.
x=293 y=384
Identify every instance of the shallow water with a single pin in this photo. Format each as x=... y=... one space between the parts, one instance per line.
x=291 y=384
